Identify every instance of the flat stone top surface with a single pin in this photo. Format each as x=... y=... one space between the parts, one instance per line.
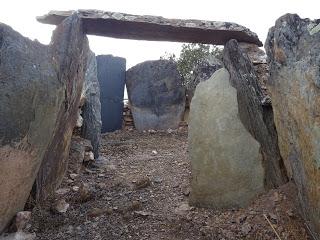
x=155 y=28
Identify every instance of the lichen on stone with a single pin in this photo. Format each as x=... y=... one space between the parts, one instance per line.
x=313 y=28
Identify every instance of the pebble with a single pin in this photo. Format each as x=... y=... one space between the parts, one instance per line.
x=61 y=206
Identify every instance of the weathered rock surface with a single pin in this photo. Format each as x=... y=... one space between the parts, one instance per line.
x=78 y=148
x=69 y=56
x=293 y=51
x=121 y=25
x=156 y=95
x=39 y=84
x=226 y=164
x=255 y=54
x=91 y=110
x=202 y=72
x=255 y=111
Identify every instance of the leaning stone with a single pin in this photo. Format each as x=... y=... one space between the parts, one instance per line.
x=39 y=94
x=121 y=25
x=156 y=95
x=226 y=163
x=293 y=51
x=69 y=54
x=255 y=114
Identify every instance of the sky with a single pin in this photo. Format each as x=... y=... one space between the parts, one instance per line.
x=258 y=16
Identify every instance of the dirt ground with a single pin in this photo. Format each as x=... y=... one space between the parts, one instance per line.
x=142 y=193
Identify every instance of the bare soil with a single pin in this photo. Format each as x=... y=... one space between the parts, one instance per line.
x=141 y=192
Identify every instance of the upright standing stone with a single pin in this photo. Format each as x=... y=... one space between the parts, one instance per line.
x=293 y=49
x=226 y=164
x=156 y=95
x=91 y=111
x=40 y=86
x=255 y=111
x=111 y=76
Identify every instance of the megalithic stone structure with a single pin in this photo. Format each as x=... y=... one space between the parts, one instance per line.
x=155 y=28
x=111 y=75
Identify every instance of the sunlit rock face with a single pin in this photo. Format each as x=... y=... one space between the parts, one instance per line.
x=156 y=95
x=40 y=92
x=255 y=110
x=226 y=163
x=293 y=51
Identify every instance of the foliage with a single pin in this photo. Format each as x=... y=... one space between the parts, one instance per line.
x=191 y=55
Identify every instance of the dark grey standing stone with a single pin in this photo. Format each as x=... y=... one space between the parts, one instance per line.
x=91 y=111
x=293 y=49
x=40 y=89
x=156 y=95
x=255 y=112
x=111 y=76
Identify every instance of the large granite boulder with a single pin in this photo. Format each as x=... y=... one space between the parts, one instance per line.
x=39 y=95
x=91 y=110
x=69 y=59
x=156 y=95
x=226 y=163
x=293 y=51
x=255 y=111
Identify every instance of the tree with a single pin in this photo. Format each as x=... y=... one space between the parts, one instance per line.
x=191 y=55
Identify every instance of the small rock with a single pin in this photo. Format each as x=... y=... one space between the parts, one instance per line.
x=101 y=175
x=75 y=188
x=96 y=212
x=290 y=213
x=142 y=213
x=154 y=152
x=241 y=219
x=275 y=197
x=186 y=192
x=20 y=221
x=88 y=156
x=175 y=185
x=157 y=180
x=152 y=131
x=142 y=183
x=84 y=192
x=170 y=131
x=88 y=171
x=70 y=181
x=73 y=176
x=246 y=228
x=183 y=209
x=273 y=218
x=62 y=191
x=61 y=206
